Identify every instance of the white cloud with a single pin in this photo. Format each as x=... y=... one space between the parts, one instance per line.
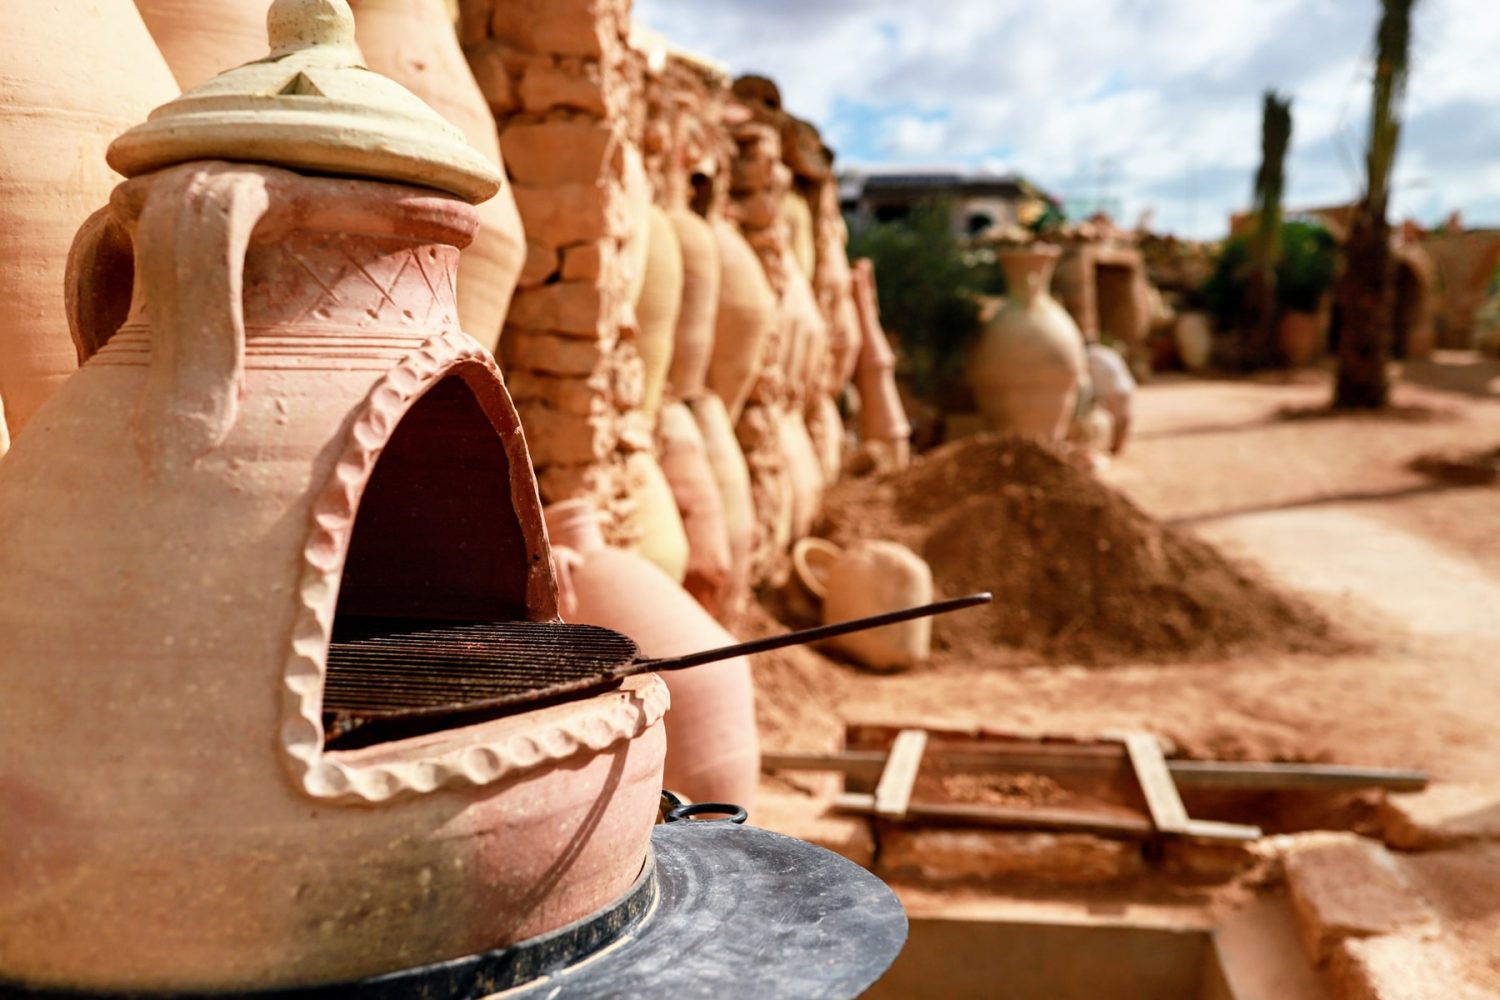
x=1158 y=102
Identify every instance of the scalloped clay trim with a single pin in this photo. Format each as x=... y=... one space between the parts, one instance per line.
x=471 y=756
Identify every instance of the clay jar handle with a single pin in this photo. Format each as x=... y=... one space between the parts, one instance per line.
x=194 y=229
x=98 y=281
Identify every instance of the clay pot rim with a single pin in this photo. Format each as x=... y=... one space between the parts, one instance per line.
x=812 y=559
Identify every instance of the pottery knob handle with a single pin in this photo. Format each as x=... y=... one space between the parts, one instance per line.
x=194 y=230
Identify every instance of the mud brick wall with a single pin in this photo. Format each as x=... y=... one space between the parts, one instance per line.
x=564 y=87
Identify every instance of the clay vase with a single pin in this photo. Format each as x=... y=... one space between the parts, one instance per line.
x=658 y=307
x=653 y=518
x=826 y=428
x=693 y=345
x=732 y=476
x=804 y=474
x=413 y=43
x=4 y=431
x=1026 y=369
x=1194 y=338
x=636 y=206
x=1300 y=337
x=713 y=753
x=72 y=77
x=884 y=430
x=871 y=578
x=746 y=319
x=797 y=215
x=200 y=39
x=684 y=461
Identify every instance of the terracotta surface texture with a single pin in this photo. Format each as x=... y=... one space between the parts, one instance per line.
x=713 y=751
x=413 y=42
x=202 y=38
x=71 y=78
x=329 y=445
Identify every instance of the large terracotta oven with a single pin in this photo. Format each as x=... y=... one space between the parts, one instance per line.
x=287 y=438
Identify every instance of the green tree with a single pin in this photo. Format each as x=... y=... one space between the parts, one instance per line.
x=927 y=287
x=1366 y=293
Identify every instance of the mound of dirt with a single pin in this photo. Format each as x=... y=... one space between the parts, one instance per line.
x=1079 y=573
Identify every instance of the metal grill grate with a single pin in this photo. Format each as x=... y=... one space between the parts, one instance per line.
x=407 y=668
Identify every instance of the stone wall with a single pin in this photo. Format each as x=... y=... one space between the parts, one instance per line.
x=562 y=81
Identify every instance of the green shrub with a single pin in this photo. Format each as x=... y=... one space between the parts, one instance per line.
x=1306 y=271
x=926 y=285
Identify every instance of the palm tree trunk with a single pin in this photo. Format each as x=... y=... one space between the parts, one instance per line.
x=1366 y=306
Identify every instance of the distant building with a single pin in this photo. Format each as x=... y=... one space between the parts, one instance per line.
x=980 y=200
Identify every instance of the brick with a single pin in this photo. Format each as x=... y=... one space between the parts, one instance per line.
x=1349 y=887
x=1441 y=816
x=561 y=27
x=567 y=307
x=586 y=261
x=939 y=855
x=546 y=352
x=547 y=86
x=567 y=213
x=582 y=396
x=1395 y=967
x=543 y=154
x=559 y=438
x=541 y=264
x=488 y=64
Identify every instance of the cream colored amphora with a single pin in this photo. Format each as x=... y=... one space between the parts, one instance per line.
x=869 y=578
x=1028 y=365
x=289 y=432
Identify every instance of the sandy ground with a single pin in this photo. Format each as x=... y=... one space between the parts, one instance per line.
x=1328 y=507
x=1325 y=506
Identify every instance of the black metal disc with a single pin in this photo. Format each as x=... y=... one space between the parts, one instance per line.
x=726 y=910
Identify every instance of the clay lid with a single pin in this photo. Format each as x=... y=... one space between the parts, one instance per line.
x=309 y=105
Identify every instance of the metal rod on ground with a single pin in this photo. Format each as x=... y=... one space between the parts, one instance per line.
x=805 y=635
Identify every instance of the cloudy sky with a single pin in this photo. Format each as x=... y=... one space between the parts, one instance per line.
x=1154 y=103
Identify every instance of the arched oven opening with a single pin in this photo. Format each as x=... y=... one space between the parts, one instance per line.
x=436 y=544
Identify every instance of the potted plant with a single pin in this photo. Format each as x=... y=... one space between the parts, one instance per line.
x=1304 y=278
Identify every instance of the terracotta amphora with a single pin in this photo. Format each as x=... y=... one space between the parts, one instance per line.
x=693 y=346
x=1026 y=369
x=413 y=43
x=870 y=578
x=826 y=428
x=684 y=460
x=884 y=430
x=727 y=463
x=72 y=76
x=653 y=517
x=796 y=213
x=713 y=753
x=202 y=38
x=288 y=433
x=803 y=471
x=1193 y=337
x=658 y=307
x=746 y=318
